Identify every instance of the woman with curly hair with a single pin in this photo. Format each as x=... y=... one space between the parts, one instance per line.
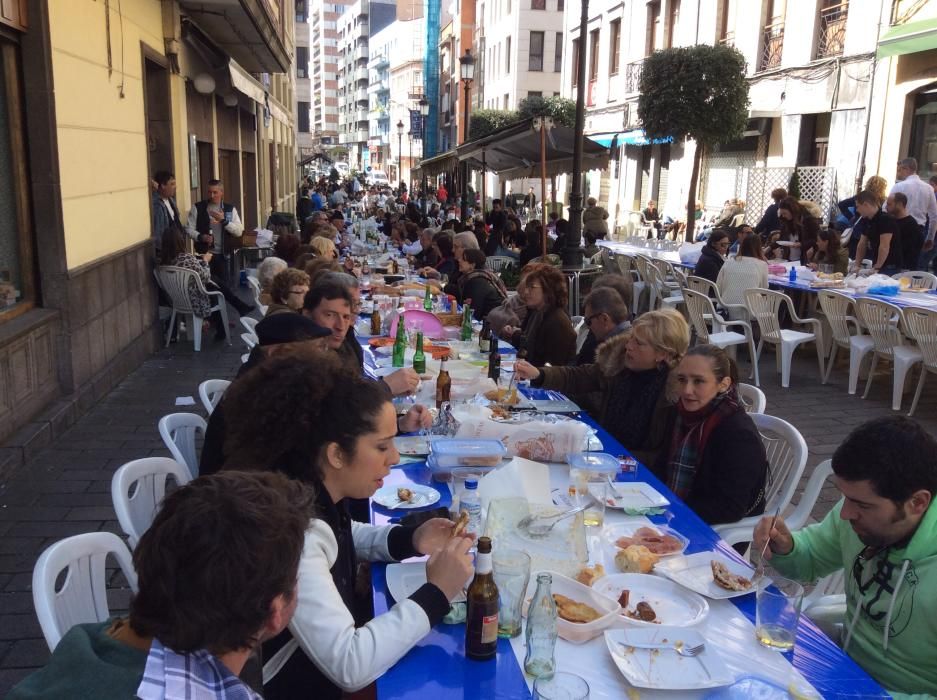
x=288 y=292
x=305 y=415
x=547 y=332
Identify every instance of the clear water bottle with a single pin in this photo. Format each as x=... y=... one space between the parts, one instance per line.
x=541 y=632
x=471 y=504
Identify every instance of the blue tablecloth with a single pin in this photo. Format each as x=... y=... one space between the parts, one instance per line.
x=903 y=300
x=437 y=668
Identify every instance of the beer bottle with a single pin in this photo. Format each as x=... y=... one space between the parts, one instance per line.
x=400 y=341
x=428 y=300
x=443 y=385
x=375 y=322
x=466 y=321
x=481 y=620
x=419 y=358
x=484 y=338
x=494 y=360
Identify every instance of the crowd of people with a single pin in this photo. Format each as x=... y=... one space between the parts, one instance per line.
x=303 y=438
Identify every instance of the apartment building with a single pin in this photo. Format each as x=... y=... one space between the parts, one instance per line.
x=357 y=23
x=302 y=62
x=323 y=73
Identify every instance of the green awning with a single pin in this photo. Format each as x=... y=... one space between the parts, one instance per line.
x=912 y=37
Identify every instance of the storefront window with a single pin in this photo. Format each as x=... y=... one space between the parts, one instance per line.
x=924 y=132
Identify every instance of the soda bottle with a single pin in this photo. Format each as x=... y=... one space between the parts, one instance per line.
x=419 y=358
x=428 y=300
x=541 y=630
x=400 y=341
x=443 y=385
x=481 y=620
x=466 y=321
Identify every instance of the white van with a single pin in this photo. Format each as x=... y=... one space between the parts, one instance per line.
x=378 y=177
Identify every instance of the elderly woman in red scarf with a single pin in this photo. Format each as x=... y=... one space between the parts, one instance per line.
x=716 y=462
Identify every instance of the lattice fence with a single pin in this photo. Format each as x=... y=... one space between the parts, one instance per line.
x=817 y=184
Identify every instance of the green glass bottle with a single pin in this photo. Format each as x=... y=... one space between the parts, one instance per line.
x=419 y=358
x=466 y=322
x=428 y=300
x=400 y=341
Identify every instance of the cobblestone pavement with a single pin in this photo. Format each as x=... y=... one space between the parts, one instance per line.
x=65 y=489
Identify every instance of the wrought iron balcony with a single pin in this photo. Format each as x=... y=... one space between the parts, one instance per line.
x=773 y=46
x=633 y=77
x=831 y=34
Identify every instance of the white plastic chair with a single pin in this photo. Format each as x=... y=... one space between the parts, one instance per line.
x=786 y=450
x=918 y=280
x=764 y=306
x=496 y=263
x=254 y=284
x=700 y=310
x=922 y=326
x=137 y=490
x=210 y=392
x=800 y=515
x=662 y=294
x=710 y=289
x=825 y=605
x=82 y=598
x=179 y=431
x=176 y=282
x=753 y=398
x=250 y=340
x=250 y=324
x=884 y=322
x=846 y=333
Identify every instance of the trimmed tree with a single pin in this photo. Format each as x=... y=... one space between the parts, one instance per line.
x=694 y=92
x=486 y=121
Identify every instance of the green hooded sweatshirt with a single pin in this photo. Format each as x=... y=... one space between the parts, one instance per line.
x=890 y=628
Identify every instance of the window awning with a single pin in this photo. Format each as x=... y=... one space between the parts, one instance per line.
x=439 y=164
x=245 y=83
x=632 y=137
x=912 y=37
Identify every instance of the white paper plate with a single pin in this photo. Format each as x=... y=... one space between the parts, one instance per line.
x=403 y=580
x=611 y=533
x=666 y=669
x=695 y=572
x=636 y=495
x=412 y=445
x=675 y=606
x=422 y=496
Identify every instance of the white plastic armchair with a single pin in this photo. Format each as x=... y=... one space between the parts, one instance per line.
x=701 y=311
x=496 y=263
x=922 y=326
x=846 y=333
x=885 y=322
x=210 y=392
x=765 y=305
x=137 y=490
x=82 y=597
x=753 y=398
x=710 y=289
x=179 y=431
x=176 y=282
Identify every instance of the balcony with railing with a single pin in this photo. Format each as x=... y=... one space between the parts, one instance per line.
x=904 y=10
x=728 y=39
x=831 y=32
x=772 y=47
x=633 y=77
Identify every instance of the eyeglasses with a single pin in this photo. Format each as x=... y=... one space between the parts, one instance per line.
x=588 y=319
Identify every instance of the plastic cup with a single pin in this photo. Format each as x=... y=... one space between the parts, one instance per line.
x=777 y=612
x=511 y=568
x=561 y=686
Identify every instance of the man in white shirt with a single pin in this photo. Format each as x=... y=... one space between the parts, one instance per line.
x=921 y=202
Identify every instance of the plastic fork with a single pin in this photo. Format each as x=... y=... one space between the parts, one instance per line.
x=678 y=647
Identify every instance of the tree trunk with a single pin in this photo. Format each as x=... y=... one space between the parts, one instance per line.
x=691 y=196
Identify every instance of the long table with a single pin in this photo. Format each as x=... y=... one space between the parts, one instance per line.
x=671 y=256
x=437 y=667
x=927 y=300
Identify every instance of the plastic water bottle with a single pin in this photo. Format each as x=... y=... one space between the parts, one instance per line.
x=541 y=632
x=471 y=504
x=792 y=275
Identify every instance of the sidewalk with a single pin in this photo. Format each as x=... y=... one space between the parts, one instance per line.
x=65 y=489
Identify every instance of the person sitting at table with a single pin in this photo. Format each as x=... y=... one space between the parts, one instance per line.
x=630 y=371
x=268 y=269
x=829 y=251
x=327 y=426
x=798 y=228
x=650 y=216
x=716 y=461
x=712 y=256
x=288 y=292
x=324 y=248
x=443 y=246
x=605 y=315
x=562 y=233
x=883 y=536
x=481 y=285
x=546 y=333
x=194 y=639
x=747 y=270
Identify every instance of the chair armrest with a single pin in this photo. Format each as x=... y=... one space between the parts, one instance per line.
x=747 y=524
x=744 y=324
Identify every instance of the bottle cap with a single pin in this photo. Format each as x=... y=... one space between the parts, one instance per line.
x=471 y=484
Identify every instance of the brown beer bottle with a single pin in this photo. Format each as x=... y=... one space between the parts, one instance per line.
x=443 y=384
x=375 y=322
x=481 y=620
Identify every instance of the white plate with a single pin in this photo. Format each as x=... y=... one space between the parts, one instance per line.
x=422 y=496
x=675 y=606
x=695 y=572
x=403 y=580
x=788 y=244
x=412 y=445
x=666 y=669
x=636 y=495
x=612 y=532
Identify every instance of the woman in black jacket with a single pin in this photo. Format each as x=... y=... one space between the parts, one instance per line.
x=713 y=255
x=716 y=461
x=546 y=334
x=482 y=286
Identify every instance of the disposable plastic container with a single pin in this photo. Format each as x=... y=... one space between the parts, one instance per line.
x=600 y=462
x=447 y=453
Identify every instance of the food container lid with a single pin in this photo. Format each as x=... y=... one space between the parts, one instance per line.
x=593 y=462
x=467 y=447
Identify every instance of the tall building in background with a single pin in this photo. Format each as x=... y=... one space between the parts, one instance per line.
x=357 y=23
x=303 y=82
x=323 y=69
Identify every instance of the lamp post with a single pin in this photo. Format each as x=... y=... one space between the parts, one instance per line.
x=467 y=73
x=399 y=151
x=424 y=112
x=572 y=254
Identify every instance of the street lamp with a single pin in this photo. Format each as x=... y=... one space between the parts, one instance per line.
x=399 y=149
x=572 y=254
x=467 y=73
x=424 y=112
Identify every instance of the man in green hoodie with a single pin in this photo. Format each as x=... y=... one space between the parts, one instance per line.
x=883 y=534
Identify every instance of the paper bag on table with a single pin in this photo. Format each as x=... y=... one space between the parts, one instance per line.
x=519 y=478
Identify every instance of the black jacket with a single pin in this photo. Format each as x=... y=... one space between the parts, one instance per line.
x=547 y=337
x=709 y=264
x=732 y=473
x=769 y=221
x=484 y=295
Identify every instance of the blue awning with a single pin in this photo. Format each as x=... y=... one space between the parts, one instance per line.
x=635 y=137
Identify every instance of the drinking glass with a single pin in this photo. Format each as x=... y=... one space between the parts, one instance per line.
x=561 y=686
x=590 y=489
x=777 y=612
x=511 y=568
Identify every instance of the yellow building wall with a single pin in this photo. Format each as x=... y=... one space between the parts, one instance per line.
x=101 y=135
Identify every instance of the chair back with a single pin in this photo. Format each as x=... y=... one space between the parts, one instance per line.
x=918 y=280
x=250 y=324
x=597 y=259
x=786 y=450
x=641 y=264
x=176 y=282
x=210 y=392
x=179 y=432
x=549 y=259
x=753 y=399
x=837 y=308
x=137 y=490
x=420 y=320
x=737 y=220
x=699 y=306
x=702 y=285
x=625 y=264
x=883 y=322
x=764 y=305
x=496 y=263
x=250 y=340
x=82 y=596
x=665 y=267
x=922 y=326
x=679 y=274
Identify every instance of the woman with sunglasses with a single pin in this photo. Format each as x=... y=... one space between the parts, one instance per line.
x=713 y=255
